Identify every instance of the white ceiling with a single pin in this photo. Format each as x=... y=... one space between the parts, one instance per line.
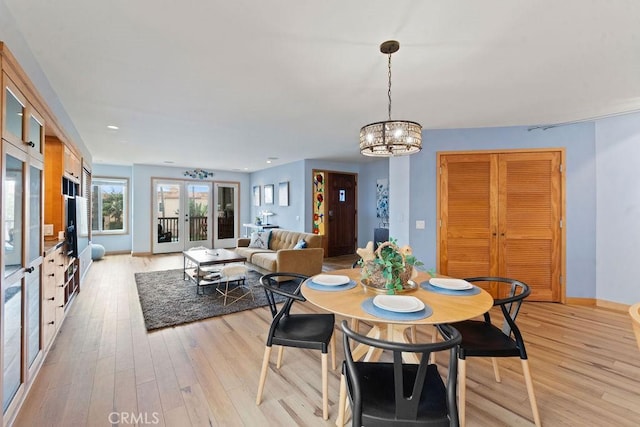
x=227 y=84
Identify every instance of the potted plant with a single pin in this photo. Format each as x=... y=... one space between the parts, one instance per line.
x=389 y=269
x=258 y=220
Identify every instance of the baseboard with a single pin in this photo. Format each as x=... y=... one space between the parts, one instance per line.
x=616 y=306
x=594 y=302
x=125 y=252
x=140 y=253
x=588 y=302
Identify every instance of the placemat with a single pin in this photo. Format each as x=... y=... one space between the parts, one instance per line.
x=368 y=306
x=466 y=292
x=318 y=287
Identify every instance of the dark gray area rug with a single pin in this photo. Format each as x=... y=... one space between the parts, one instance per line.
x=168 y=300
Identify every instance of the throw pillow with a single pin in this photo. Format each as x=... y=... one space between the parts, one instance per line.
x=260 y=239
x=300 y=245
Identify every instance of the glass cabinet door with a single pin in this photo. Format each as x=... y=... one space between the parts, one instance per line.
x=34 y=263
x=14 y=111
x=36 y=136
x=13 y=209
x=13 y=200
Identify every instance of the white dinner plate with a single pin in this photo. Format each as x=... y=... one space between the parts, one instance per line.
x=453 y=284
x=398 y=303
x=330 y=279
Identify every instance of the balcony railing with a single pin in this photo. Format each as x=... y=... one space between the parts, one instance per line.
x=197 y=228
x=169 y=226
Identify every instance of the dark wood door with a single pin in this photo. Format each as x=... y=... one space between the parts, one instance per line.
x=341 y=211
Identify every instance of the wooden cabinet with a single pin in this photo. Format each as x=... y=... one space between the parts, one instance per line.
x=50 y=294
x=60 y=282
x=500 y=215
x=59 y=181
x=35 y=292
x=23 y=126
x=72 y=165
x=53 y=200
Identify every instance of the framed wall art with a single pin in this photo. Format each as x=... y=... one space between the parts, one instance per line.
x=268 y=194
x=256 y=195
x=283 y=194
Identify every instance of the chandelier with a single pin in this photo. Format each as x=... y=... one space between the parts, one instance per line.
x=198 y=173
x=391 y=137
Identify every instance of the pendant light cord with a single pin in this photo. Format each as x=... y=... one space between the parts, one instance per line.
x=389 y=90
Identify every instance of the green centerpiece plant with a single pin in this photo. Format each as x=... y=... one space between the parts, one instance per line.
x=389 y=269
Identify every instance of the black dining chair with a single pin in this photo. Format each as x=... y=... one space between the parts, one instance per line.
x=481 y=338
x=312 y=331
x=396 y=393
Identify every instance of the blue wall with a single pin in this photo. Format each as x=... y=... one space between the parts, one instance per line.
x=288 y=217
x=370 y=173
x=579 y=142
x=617 y=228
x=138 y=238
x=298 y=216
x=142 y=196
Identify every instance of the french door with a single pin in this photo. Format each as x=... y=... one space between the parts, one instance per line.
x=227 y=222
x=182 y=215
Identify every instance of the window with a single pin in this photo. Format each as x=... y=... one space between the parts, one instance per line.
x=109 y=203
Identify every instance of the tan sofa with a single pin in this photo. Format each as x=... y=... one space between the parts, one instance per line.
x=281 y=257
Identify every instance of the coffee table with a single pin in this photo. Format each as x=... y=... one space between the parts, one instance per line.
x=201 y=258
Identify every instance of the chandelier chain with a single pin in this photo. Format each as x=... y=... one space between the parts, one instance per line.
x=389 y=90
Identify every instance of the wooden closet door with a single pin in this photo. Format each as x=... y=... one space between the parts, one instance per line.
x=529 y=221
x=500 y=215
x=468 y=206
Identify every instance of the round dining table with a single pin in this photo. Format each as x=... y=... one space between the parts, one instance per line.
x=445 y=307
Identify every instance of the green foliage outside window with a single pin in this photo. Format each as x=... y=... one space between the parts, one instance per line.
x=109 y=205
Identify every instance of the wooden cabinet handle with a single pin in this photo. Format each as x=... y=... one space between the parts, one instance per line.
x=51 y=323
x=51 y=299
x=52 y=260
x=51 y=275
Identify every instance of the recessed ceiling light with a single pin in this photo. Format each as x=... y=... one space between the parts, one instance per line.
x=113 y=127
x=169 y=161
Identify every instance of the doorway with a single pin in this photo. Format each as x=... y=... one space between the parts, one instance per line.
x=341 y=213
x=181 y=214
x=227 y=223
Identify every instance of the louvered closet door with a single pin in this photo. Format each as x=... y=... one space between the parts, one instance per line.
x=500 y=216
x=468 y=215
x=529 y=221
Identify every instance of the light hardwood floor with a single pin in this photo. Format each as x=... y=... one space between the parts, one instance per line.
x=104 y=367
